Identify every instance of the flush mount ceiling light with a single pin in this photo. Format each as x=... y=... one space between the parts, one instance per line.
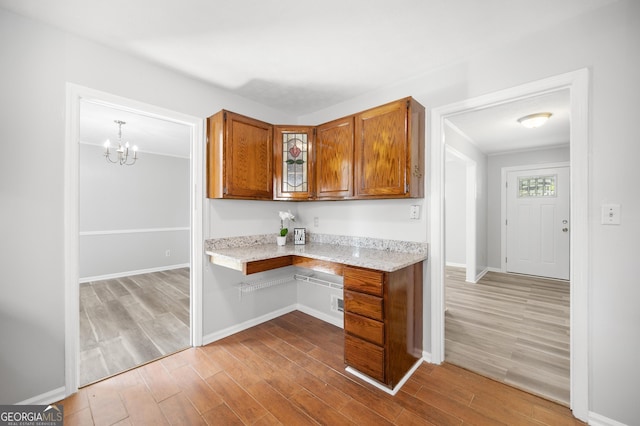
x=534 y=120
x=122 y=152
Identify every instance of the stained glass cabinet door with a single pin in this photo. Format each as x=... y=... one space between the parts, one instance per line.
x=293 y=161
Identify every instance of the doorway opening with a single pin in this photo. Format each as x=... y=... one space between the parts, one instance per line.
x=121 y=256
x=577 y=84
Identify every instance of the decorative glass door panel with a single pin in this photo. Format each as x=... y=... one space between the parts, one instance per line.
x=293 y=178
x=295 y=153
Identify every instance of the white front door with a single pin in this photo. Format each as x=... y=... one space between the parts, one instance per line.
x=538 y=222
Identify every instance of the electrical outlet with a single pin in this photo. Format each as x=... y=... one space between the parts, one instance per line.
x=414 y=212
x=316 y=222
x=167 y=253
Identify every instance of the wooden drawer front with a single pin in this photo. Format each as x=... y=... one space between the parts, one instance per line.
x=364 y=327
x=363 y=304
x=363 y=280
x=364 y=357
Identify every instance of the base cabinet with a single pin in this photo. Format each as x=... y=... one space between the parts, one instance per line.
x=383 y=321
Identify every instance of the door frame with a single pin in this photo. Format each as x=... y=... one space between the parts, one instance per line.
x=578 y=84
x=470 y=214
x=74 y=95
x=503 y=201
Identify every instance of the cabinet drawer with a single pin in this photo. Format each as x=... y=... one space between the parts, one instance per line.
x=364 y=357
x=363 y=304
x=364 y=280
x=366 y=328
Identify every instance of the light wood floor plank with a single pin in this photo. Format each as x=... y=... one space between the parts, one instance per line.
x=129 y=321
x=511 y=328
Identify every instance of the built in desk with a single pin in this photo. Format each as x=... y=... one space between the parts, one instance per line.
x=382 y=293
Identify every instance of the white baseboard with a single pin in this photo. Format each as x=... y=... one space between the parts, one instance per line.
x=457 y=265
x=491 y=269
x=46 y=398
x=426 y=357
x=380 y=385
x=130 y=273
x=599 y=420
x=338 y=322
x=481 y=274
x=213 y=337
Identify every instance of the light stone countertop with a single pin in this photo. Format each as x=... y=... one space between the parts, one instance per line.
x=383 y=255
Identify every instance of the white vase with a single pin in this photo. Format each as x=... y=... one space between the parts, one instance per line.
x=281 y=240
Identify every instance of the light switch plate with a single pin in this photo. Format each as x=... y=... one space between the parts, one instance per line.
x=611 y=214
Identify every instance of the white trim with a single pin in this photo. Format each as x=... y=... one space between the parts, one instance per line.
x=379 y=385
x=213 y=337
x=75 y=94
x=578 y=84
x=457 y=265
x=596 y=419
x=46 y=398
x=426 y=356
x=338 y=322
x=480 y=275
x=130 y=273
x=503 y=201
x=471 y=203
x=132 y=231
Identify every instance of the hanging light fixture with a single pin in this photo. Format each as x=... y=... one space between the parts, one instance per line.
x=534 y=120
x=123 y=150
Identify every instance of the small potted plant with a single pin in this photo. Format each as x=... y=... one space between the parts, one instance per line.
x=282 y=238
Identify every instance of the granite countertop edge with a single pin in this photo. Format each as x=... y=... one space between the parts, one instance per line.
x=385 y=255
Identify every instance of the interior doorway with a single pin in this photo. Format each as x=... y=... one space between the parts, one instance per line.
x=134 y=215
x=577 y=84
x=76 y=97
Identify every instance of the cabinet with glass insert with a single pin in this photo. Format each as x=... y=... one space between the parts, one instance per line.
x=293 y=159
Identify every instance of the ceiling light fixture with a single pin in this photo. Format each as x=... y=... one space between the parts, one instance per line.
x=534 y=120
x=122 y=151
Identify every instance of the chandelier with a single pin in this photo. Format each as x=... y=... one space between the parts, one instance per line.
x=122 y=153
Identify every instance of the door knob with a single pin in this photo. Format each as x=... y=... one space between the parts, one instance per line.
x=565 y=229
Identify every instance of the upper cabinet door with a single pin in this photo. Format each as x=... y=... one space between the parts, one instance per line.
x=293 y=162
x=240 y=157
x=334 y=159
x=389 y=151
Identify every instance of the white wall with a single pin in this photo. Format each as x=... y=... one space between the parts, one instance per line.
x=41 y=60
x=38 y=61
x=495 y=165
x=461 y=144
x=152 y=194
x=606 y=42
x=455 y=199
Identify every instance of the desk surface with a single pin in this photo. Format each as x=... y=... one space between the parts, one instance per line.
x=381 y=259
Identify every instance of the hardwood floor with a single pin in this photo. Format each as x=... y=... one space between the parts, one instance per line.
x=126 y=322
x=512 y=328
x=290 y=371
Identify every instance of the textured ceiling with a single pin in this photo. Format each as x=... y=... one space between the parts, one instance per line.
x=300 y=56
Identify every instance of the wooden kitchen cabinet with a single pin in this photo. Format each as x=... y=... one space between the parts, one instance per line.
x=389 y=151
x=293 y=162
x=240 y=157
x=383 y=321
x=334 y=159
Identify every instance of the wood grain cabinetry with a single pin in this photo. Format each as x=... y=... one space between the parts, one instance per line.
x=240 y=157
x=377 y=153
x=294 y=177
x=383 y=321
x=389 y=151
x=334 y=159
